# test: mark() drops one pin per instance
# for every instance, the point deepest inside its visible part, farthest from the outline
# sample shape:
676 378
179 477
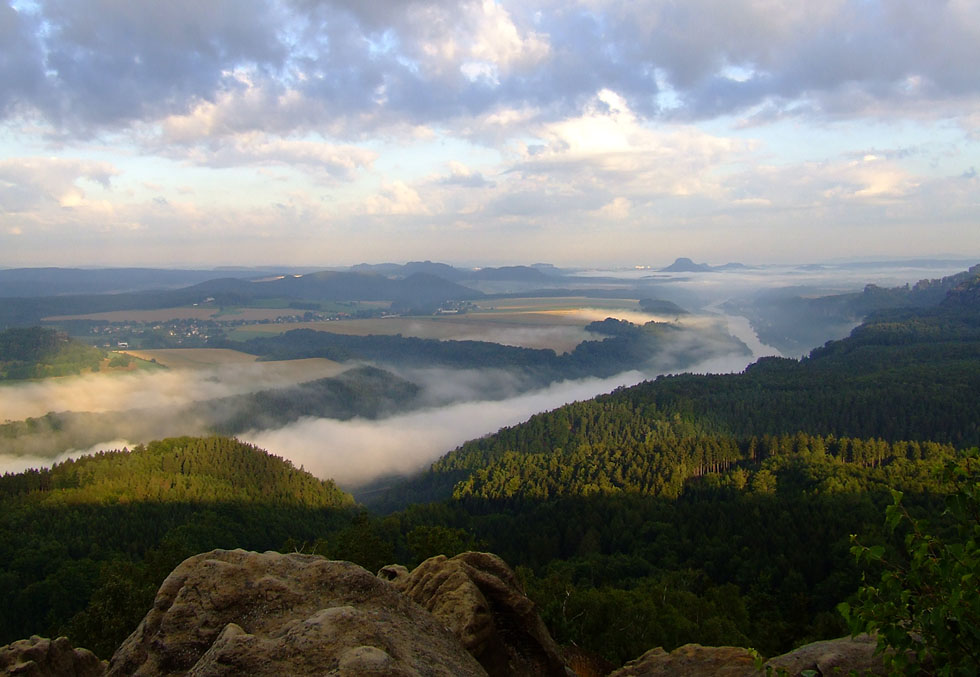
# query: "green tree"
925 606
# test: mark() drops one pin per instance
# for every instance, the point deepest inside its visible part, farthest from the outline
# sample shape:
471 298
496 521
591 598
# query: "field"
209 358
534 322
556 323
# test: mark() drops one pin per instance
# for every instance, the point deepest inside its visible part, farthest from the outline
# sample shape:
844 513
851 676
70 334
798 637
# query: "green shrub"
925 606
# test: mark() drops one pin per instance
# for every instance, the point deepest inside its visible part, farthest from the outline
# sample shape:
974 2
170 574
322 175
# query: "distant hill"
796 323
510 273
419 290
661 307
443 270
685 265
416 289
539 272
34 282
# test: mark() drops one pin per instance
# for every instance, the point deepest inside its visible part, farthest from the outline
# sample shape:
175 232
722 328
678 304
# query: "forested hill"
719 509
794 323
626 347
36 352
85 545
204 470
905 375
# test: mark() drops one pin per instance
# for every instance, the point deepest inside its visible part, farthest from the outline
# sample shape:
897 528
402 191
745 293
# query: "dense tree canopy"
36 352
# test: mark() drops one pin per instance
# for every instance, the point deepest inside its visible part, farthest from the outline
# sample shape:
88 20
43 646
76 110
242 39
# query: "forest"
36 352
623 346
710 509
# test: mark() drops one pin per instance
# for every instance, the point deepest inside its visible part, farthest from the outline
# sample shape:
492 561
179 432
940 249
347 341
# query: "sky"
589 132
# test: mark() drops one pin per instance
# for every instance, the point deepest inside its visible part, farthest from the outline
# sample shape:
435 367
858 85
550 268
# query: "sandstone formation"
833 656
478 597
231 612
692 660
39 657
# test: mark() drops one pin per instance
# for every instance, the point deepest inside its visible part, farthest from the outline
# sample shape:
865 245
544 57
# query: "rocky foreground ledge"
231 612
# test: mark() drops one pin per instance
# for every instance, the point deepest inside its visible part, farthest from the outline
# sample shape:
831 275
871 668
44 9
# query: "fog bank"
158 389
355 452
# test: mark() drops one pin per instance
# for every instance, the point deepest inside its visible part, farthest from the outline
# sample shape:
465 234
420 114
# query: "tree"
925 605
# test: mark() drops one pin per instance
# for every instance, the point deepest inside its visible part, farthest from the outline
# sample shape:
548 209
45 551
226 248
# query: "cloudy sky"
576 132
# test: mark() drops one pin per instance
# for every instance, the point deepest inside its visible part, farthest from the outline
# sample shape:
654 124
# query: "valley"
663 446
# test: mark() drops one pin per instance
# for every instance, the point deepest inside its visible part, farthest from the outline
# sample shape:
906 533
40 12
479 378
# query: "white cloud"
32 183
396 198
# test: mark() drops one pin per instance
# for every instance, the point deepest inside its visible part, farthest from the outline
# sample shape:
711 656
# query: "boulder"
692 660
231 612
40 657
478 597
832 656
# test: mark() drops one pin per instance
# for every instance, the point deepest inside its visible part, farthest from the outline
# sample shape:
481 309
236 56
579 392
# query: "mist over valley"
451 372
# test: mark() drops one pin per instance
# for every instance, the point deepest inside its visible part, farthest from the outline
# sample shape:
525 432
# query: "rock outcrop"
478 597
231 612
692 660
831 657
39 657
237 613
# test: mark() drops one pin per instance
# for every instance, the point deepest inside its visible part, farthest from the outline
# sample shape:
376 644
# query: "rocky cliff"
231 612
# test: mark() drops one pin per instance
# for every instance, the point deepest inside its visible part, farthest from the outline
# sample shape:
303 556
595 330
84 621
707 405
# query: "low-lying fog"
147 390
458 403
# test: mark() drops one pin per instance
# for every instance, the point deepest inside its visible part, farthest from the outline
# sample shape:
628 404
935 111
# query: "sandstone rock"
40 657
833 656
244 613
478 597
693 660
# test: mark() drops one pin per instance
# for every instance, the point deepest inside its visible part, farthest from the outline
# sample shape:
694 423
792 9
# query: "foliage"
85 545
37 352
925 605
631 347
174 470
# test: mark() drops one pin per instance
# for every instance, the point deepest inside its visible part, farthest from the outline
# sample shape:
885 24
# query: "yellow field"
192 358
556 323
204 358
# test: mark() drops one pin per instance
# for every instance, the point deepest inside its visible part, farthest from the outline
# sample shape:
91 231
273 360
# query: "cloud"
31 183
253 148
396 198
461 175
350 67
590 128
355 452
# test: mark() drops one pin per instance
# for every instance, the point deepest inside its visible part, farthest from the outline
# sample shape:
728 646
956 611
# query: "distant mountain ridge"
35 282
539 272
419 290
686 265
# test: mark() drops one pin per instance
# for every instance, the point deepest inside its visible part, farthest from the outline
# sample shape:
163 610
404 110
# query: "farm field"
210 358
555 323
